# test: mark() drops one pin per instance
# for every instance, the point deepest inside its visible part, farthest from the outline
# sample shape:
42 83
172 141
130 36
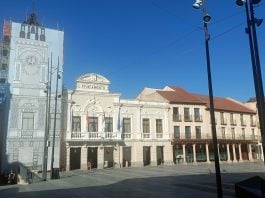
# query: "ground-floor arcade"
191 151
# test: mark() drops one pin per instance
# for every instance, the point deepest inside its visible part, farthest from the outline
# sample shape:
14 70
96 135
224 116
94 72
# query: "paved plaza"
163 182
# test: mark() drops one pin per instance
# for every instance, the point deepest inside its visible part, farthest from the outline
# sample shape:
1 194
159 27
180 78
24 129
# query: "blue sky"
150 43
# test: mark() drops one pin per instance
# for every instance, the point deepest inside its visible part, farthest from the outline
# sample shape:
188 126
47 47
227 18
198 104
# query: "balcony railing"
243 122
223 122
95 136
219 137
126 135
159 135
146 135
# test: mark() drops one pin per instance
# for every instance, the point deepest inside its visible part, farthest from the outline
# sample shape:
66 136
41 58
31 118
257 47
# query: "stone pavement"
163 181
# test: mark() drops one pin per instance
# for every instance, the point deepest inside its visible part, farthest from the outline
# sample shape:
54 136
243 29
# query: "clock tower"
31 48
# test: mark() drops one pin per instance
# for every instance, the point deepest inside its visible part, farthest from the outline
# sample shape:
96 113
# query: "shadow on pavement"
162 187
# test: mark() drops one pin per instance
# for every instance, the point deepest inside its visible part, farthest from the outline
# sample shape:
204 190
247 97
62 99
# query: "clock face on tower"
30 65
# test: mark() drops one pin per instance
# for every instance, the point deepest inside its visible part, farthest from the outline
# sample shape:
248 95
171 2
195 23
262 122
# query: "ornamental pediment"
92 82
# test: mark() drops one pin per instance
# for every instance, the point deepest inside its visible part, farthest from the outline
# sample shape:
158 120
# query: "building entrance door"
127 156
75 158
92 156
160 155
108 157
146 155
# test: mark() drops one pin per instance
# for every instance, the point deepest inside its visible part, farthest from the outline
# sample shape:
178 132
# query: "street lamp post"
54 126
254 52
206 20
47 122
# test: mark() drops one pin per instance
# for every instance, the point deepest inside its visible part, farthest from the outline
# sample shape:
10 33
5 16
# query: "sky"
150 43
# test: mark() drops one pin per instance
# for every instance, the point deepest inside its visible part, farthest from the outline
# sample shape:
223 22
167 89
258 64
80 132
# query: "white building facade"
26 62
168 126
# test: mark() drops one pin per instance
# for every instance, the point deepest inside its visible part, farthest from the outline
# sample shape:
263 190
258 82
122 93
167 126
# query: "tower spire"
32 19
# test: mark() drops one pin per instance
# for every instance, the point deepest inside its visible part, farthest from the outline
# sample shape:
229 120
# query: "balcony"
126 135
94 136
159 135
146 135
208 136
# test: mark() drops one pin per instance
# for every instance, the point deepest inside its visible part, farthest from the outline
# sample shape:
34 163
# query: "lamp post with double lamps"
206 20
252 21
53 176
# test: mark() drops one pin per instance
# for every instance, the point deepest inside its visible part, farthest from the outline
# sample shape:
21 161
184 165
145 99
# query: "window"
32 30
159 127
17 71
223 121
108 124
176 132
146 125
252 122
126 125
2 80
223 132
232 121
253 134
28 121
76 124
176 116
42 36
198 132
187 132
4 66
187 116
243 123
233 133
243 133
93 124
22 31
197 115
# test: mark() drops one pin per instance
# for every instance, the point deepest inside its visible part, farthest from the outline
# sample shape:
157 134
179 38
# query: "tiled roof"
181 96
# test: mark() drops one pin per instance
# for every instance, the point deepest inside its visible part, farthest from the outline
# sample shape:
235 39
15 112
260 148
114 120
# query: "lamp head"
240 2
258 21
197 4
206 18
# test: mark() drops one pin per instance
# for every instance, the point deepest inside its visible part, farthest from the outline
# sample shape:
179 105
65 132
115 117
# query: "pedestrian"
11 177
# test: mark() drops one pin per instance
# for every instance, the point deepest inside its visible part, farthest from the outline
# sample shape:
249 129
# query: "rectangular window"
93 124
233 133
187 132
253 134
176 132
108 124
76 124
232 121
223 132
197 115
176 116
28 121
198 132
222 117
252 121
243 122
126 125
243 133
146 125
187 116
159 126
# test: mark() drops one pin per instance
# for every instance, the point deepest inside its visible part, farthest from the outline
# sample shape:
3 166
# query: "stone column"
83 158
240 153
207 153
250 153
153 156
101 157
234 153
218 152
184 153
116 157
194 153
228 153
67 157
